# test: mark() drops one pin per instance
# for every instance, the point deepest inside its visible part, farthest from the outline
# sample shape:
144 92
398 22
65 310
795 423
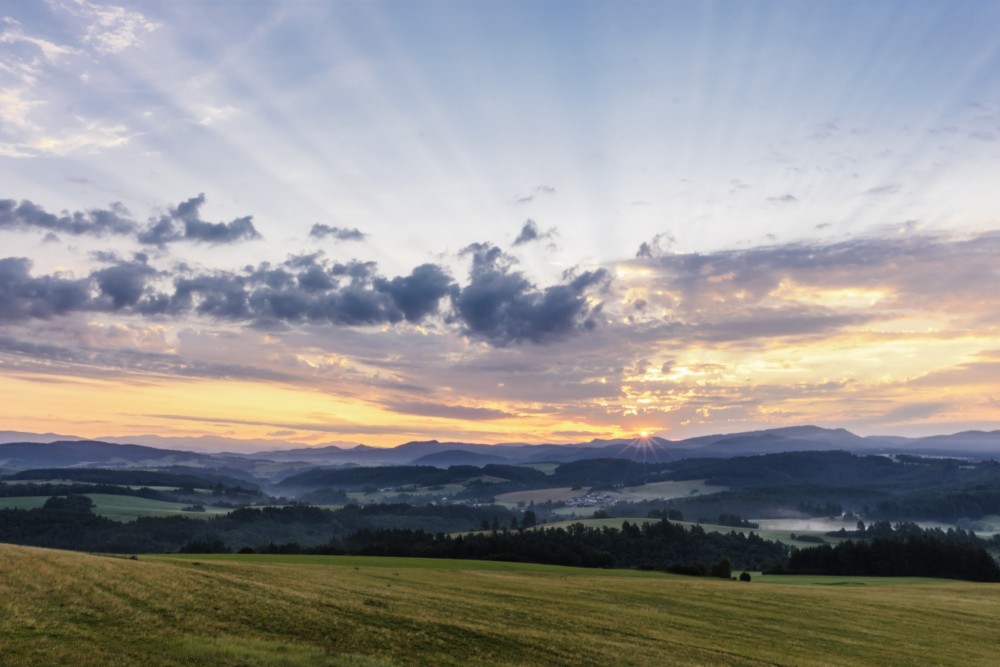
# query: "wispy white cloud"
32 120
107 28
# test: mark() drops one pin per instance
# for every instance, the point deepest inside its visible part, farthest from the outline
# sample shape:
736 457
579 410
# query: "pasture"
70 608
119 508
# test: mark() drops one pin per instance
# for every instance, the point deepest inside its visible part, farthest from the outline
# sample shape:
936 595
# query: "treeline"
396 476
221 495
589 473
835 468
69 523
23 489
945 506
826 483
422 531
659 545
909 556
135 477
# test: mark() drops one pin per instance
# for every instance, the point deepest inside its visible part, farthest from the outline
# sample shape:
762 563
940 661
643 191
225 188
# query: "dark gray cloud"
319 231
530 232
184 223
97 222
500 305
349 293
418 294
23 297
124 283
181 223
221 295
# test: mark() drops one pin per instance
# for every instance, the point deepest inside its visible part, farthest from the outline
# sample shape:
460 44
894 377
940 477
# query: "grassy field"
669 489
119 508
68 608
554 494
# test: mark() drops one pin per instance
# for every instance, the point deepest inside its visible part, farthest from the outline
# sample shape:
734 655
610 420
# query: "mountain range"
26 450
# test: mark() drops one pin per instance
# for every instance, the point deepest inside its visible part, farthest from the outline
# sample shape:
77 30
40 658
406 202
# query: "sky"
498 221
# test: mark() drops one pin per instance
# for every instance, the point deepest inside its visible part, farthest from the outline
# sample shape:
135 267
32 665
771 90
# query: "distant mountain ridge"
32 452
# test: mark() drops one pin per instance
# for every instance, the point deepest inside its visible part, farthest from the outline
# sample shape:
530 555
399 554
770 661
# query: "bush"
722 569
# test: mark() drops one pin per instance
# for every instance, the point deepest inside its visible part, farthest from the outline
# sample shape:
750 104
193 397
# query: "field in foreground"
68 608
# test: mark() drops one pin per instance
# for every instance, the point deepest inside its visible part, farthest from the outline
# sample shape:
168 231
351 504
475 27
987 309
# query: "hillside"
67 608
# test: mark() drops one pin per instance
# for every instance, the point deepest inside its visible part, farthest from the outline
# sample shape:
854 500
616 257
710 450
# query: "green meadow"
119 508
70 608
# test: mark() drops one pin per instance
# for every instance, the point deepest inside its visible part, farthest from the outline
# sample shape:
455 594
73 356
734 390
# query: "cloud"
342 427
34 73
181 223
319 231
539 190
784 199
418 294
818 290
350 294
913 411
655 246
883 190
27 215
500 306
23 297
184 223
101 360
530 232
110 28
124 283
445 411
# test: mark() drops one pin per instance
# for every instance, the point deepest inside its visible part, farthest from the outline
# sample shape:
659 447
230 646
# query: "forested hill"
836 468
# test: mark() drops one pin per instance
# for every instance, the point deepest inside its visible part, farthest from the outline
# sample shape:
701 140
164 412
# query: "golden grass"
62 608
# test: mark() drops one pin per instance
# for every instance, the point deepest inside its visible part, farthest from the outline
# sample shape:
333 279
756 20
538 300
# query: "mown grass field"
62 608
670 489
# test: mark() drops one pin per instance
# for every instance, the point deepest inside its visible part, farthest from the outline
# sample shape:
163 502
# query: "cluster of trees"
403 530
909 556
71 524
479 483
205 479
823 484
395 476
172 487
941 506
658 545
732 520
901 550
